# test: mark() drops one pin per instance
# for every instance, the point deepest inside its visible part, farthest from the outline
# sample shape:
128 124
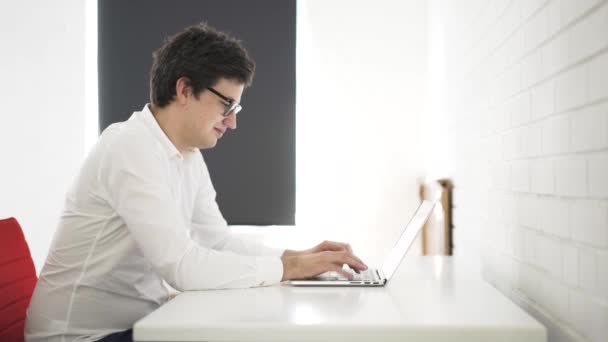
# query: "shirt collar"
148 118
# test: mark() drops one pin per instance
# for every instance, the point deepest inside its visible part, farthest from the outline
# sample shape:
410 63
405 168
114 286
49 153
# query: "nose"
230 121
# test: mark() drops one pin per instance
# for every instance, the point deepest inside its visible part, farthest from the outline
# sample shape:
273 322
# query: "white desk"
428 299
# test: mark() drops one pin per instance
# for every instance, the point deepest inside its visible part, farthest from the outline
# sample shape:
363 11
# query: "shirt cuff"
269 270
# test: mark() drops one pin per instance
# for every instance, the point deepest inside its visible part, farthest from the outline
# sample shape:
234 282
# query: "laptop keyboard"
369 275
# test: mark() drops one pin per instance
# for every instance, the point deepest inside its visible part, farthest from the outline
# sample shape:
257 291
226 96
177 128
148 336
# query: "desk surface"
428 299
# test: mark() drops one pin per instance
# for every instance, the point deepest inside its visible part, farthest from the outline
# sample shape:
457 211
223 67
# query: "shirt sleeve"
209 228
138 189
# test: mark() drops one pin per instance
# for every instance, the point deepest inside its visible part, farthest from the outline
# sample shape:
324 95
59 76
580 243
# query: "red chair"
17 280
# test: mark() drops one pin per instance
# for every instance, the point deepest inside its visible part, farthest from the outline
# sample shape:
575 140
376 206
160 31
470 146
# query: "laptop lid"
407 238
392 261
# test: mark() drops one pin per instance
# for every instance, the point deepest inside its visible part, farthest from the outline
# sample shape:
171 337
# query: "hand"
330 246
309 265
325 246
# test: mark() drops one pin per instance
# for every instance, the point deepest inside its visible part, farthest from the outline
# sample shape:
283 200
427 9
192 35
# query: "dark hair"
202 54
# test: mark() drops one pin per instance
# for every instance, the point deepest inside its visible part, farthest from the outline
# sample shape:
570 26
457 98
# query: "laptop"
372 276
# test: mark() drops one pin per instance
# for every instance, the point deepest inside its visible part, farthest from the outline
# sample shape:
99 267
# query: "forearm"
201 268
219 236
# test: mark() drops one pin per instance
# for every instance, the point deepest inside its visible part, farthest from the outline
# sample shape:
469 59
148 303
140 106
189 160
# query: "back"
93 258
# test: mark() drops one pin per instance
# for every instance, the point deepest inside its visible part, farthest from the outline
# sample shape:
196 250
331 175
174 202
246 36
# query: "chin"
207 144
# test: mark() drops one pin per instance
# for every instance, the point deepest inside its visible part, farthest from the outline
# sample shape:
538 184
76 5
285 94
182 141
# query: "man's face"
204 122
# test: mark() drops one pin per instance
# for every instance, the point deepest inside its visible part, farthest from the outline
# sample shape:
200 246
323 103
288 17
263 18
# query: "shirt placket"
179 192
179 170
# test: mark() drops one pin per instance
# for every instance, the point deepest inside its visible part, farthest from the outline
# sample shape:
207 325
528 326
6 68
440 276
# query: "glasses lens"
232 108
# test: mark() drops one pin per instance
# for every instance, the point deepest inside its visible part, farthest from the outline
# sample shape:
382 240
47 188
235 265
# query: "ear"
183 90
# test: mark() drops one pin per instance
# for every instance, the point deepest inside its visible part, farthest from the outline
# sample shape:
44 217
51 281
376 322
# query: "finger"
350 269
322 247
357 258
342 272
360 265
349 249
341 258
332 246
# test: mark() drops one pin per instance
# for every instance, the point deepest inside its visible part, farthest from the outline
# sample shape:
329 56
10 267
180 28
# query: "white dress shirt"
139 213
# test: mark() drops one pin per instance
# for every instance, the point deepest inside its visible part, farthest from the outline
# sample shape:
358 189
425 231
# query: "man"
142 212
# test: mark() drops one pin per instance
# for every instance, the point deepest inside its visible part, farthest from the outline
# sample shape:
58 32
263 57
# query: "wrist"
292 253
289 265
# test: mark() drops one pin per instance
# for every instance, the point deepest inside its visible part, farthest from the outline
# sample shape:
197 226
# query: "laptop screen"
407 238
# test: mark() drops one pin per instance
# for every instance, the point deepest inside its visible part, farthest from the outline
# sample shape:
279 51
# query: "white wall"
361 119
527 111
42 139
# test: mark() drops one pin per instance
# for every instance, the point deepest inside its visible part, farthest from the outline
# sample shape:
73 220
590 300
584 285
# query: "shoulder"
129 141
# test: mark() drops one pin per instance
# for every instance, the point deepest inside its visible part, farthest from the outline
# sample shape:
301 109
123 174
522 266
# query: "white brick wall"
542 177
527 103
587 270
571 176
570 264
602 266
598 77
556 133
571 88
550 256
588 223
598 181
590 128
543 99
555 215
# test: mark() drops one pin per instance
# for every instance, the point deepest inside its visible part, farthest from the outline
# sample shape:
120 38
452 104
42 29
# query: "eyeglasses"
231 105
